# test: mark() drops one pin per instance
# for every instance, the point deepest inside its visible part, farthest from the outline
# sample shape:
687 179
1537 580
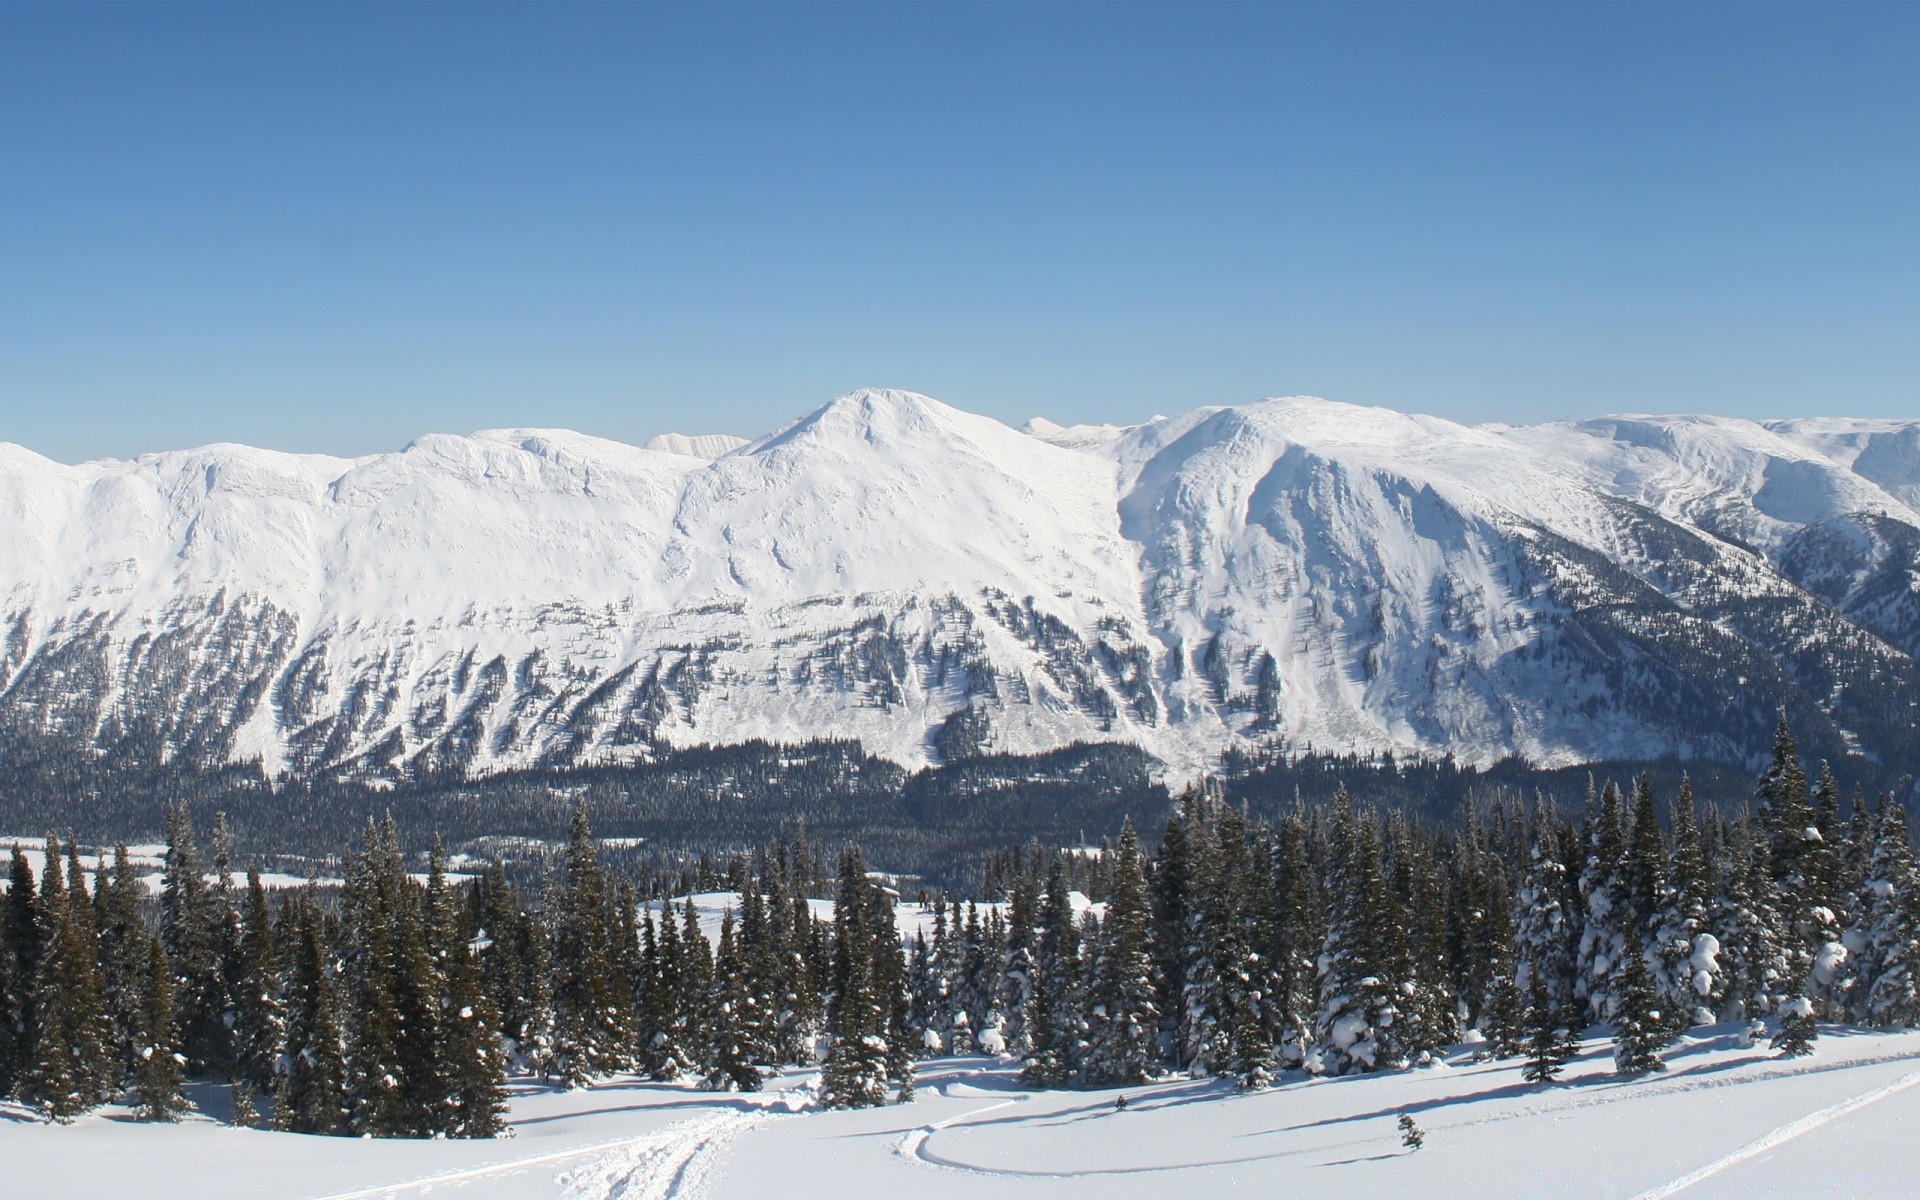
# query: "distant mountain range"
1294 574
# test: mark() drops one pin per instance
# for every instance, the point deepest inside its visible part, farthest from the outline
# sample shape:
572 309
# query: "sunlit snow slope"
936 584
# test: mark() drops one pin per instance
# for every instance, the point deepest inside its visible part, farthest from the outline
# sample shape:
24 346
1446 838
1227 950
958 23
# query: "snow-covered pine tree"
260 1015
1549 1042
1804 871
1200 1041
309 1093
587 1029
668 1004
1797 1031
1054 1019
1014 991
1748 926
187 929
1640 1029
158 1073
375 1076
125 961
855 1073
1365 972
1299 929
1432 1017
1690 980
70 1067
1885 937
470 1058
1236 908
730 1020
1608 919
1124 1047
760 974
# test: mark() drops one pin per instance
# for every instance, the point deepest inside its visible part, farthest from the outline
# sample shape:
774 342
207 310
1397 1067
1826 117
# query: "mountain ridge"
933 583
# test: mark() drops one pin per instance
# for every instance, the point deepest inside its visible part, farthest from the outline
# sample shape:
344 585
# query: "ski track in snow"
674 1163
1776 1137
915 1144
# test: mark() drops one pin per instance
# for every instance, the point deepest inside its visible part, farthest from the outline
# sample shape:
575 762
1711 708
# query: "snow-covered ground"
1726 1120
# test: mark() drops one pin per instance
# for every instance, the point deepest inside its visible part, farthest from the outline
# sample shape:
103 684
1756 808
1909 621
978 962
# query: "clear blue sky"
337 227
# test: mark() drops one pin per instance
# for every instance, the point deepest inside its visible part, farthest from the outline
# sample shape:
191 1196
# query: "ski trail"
913 1143
667 1164
676 1163
1775 1137
479 1172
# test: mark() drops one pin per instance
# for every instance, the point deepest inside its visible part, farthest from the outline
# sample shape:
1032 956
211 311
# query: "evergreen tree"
1690 981
157 1078
1364 967
1608 918
309 1095
1015 989
70 1068
471 1057
1550 1043
1125 1038
260 1017
1054 1019
587 1033
855 1074
1886 932
1640 1028
21 931
187 930
1544 933
1748 927
126 961
731 1020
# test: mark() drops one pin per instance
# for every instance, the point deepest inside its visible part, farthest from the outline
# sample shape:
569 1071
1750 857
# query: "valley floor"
1726 1120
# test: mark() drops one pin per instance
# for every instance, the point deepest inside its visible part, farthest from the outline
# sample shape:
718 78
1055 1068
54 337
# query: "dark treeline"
395 1006
1330 939
1337 940
940 822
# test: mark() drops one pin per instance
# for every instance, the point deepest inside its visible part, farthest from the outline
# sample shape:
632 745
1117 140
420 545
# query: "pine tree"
1608 917
471 1058
1886 931
1748 927
1125 1038
1364 966
1014 995
1797 1031
70 1067
1054 1019
1550 1043
855 1073
187 929
309 1094
260 1017
1544 933
157 1078
125 960
21 931
1691 981
587 1034
731 1022
1640 1028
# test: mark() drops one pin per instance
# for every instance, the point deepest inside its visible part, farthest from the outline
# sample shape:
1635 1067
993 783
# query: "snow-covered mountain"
937 584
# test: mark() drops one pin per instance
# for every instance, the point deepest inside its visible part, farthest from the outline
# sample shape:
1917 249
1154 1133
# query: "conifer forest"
1333 939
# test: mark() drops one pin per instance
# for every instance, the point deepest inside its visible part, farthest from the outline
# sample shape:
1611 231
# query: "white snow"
1727 1119
1371 553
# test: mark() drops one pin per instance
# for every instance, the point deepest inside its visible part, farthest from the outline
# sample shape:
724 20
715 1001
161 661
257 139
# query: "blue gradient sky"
334 228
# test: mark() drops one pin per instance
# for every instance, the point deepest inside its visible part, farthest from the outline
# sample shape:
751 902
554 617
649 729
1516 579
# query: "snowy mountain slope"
936 584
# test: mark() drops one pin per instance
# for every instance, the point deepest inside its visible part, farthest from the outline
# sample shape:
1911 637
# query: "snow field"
1728 1120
